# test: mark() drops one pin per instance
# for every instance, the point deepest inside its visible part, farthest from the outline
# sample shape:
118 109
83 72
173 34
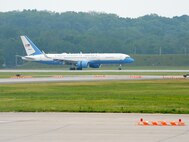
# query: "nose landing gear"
120 67
185 75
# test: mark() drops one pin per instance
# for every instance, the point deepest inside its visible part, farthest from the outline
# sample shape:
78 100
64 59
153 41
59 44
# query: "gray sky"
123 8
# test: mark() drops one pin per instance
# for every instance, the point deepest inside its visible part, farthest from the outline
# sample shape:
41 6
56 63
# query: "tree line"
91 32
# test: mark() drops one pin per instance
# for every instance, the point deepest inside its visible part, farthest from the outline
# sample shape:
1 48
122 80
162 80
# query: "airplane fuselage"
97 58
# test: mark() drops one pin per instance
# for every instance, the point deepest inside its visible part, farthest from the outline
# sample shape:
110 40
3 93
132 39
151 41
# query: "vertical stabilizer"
30 47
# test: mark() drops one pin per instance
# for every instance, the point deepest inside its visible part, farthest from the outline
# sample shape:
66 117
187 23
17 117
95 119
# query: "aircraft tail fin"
30 47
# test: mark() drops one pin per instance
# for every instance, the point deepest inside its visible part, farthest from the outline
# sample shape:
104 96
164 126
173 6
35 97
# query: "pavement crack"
41 133
175 136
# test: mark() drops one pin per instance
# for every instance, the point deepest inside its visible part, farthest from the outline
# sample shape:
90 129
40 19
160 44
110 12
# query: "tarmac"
47 70
79 78
90 127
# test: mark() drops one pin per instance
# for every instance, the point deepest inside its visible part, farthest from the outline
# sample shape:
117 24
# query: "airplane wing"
67 62
56 59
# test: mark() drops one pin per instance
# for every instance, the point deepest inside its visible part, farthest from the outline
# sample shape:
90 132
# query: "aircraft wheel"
79 68
120 67
72 68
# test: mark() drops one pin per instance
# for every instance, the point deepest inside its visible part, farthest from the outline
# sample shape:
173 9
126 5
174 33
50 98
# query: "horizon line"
92 11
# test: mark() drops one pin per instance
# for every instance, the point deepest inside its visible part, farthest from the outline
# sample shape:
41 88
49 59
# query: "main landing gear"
72 68
75 68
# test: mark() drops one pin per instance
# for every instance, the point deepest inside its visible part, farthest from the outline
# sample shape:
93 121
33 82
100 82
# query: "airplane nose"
130 60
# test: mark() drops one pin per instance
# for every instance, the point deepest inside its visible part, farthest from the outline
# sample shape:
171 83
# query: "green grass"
160 96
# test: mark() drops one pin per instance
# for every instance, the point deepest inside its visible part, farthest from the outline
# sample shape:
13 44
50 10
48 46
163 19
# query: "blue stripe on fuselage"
128 60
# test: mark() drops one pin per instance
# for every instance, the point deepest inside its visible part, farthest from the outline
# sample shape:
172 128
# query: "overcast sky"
123 8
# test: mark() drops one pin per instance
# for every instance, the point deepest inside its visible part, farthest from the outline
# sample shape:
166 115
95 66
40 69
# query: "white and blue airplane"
78 61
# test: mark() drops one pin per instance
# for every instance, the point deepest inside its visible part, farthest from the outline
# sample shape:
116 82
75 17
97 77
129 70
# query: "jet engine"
94 65
82 64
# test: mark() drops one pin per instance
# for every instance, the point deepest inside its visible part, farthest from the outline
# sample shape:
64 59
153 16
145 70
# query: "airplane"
77 61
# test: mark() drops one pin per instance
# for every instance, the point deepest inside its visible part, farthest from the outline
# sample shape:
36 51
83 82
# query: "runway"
19 71
77 78
89 127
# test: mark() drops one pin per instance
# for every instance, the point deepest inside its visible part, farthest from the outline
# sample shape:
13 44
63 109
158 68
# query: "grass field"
159 96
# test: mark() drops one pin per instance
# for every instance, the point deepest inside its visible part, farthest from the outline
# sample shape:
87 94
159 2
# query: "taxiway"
89 127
